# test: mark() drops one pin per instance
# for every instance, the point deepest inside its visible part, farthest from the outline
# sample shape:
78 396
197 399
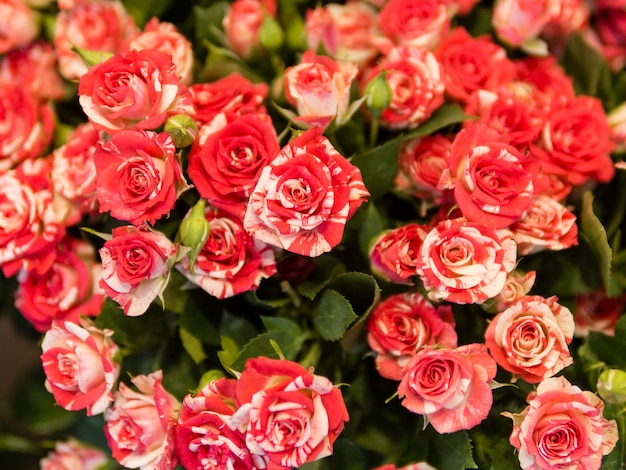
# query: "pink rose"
231 261
416 82
80 364
139 177
530 338
136 265
403 324
518 22
449 386
17 23
66 291
139 427
242 23
293 416
319 88
393 255
492 179
413 466
207 437
305 196
596 311
569 16
138 89
99 25
465 262
72 454
547 225
562 427
226 159
517 285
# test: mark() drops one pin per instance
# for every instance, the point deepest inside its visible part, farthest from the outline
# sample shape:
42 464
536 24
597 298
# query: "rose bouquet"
275 234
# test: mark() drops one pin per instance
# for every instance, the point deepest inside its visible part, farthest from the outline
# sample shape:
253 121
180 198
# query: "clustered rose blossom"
73 454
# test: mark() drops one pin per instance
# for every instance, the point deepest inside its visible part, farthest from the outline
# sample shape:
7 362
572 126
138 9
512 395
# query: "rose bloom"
562 427
138 89
293 416
416 23
226 160
547 225
492 179
319 88
450 387
17 23
470 64
33 67
401 325
346 32
595 311
421 163
393 255
80 364
305 196
136 264
207 437
569 16
610 25
99 25
576 142
30 227
139 177
72 454
232 95
465 262
416 82
242 23
548 80
139 427
26 125
517 285
66 291
518 22
413 466
231 261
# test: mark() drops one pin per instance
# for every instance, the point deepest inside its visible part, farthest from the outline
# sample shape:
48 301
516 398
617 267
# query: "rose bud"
182 129
612 386
378 92
194 231
271 35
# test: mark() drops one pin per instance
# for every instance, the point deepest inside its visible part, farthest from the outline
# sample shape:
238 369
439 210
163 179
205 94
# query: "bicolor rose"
18 25
530 338
450 387
231 261
413 466
595 311
136 265
465 262
319 88
65 291
73 454
305 196
569 16
293 416
138 89
80 363
139 177
611 30
139 427
227 158
401 325
562 427
517 285
242 24
519 22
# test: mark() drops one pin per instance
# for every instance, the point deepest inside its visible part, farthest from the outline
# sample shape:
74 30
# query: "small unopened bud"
194 231
612 386
271 35
378 93
92 57
182 129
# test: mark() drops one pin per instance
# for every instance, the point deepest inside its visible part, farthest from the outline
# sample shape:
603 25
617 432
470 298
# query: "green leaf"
197 324
327 268
333 315
143 10
379 167
453 451
444 116
229 352
610 349
15 443
262 345
372 225
208 21
192 345
615 460
503 457
238 329
92 58
360 289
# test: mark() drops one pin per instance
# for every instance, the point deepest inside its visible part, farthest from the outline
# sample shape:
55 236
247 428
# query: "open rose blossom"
305 196
139 427
518 22
139 177
73 454
319 88
465 262
138 89
401 325
413 466
231 261
530 338
80 363
293 416
17 23
242 24
451 387
136 265
595 311
562 427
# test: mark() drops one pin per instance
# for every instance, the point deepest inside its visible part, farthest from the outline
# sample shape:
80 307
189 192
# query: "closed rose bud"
182 129
271 35
378 92
194 231
612 386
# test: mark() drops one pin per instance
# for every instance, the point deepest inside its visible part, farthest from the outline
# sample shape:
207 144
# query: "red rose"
305 196
138 89
549 82
596 311
139 177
